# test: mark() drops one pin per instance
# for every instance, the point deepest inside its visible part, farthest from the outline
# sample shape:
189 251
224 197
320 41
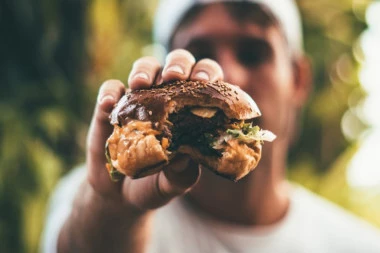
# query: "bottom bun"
134 150
237 160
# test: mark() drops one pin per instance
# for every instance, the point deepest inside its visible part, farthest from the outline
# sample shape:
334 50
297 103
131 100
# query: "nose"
234 72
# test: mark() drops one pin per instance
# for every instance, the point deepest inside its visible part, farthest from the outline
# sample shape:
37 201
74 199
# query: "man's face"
253 57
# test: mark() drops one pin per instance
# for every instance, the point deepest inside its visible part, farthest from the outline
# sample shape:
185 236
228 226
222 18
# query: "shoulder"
332 225
59 207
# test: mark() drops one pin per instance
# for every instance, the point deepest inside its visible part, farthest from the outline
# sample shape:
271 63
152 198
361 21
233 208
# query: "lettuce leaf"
246 134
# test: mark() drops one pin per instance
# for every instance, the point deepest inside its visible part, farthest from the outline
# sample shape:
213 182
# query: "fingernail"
101 100
176 69
202 75
141 75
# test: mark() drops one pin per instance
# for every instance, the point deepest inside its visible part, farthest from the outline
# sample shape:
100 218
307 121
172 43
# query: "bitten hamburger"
211 122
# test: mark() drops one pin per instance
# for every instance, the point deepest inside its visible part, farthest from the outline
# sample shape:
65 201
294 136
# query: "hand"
181 173
114 217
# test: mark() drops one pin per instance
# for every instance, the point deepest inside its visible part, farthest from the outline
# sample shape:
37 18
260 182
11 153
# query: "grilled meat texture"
192 130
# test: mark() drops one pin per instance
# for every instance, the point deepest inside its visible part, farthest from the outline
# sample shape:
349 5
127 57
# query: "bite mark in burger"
210 121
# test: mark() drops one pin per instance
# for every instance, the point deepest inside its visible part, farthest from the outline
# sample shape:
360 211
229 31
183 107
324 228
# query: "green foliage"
331 30
320 158
43 103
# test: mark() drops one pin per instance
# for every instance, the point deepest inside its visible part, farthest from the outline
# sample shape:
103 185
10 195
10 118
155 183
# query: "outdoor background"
55 54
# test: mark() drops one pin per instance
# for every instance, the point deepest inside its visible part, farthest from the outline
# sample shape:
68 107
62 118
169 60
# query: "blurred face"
253 57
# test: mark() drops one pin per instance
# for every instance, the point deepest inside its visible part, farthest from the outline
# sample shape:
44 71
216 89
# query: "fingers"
179 65
154 191
207 70
100 129
143 73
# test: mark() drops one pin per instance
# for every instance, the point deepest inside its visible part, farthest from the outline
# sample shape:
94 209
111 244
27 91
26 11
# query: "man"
256 45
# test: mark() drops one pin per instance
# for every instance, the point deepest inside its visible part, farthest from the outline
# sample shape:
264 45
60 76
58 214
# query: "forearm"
98 225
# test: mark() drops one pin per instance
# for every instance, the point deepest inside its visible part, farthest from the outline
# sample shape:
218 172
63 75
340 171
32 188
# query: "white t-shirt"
312 224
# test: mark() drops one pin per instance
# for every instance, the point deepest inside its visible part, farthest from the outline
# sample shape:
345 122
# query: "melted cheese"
204 112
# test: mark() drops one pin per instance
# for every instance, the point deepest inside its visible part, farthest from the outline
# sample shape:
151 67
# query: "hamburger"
212 122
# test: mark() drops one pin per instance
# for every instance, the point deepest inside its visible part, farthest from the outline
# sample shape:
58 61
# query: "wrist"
100 224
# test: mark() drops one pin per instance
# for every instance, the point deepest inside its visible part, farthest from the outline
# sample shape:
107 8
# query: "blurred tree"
120 30
331 31
319 160
43 106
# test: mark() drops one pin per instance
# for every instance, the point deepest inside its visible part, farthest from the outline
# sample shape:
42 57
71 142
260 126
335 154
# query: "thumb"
100 129
157 190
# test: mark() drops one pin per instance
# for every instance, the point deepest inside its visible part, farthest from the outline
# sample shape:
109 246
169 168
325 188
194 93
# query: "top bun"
155 103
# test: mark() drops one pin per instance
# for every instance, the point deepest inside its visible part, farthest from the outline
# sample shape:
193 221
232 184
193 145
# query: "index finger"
100 129
143 73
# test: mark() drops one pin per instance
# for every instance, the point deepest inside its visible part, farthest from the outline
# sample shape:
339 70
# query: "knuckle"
209 63
110 89
110 84
168 192
162 194
146 61
180 54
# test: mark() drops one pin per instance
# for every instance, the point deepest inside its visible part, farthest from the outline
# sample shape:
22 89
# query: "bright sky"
364 169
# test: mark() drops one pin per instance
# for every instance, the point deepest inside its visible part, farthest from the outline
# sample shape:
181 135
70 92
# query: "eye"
253 53
201 49
202 53
250 56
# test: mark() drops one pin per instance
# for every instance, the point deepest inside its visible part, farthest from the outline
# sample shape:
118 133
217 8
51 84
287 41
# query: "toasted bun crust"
154 104
134 149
